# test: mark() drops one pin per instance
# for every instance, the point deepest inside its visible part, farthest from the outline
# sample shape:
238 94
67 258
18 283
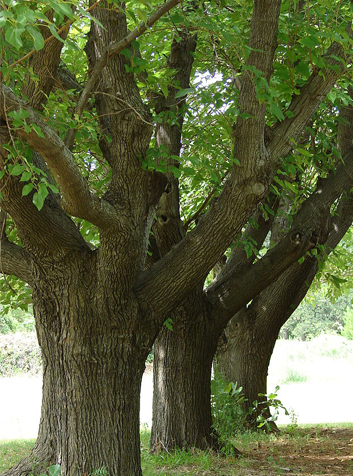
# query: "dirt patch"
326 452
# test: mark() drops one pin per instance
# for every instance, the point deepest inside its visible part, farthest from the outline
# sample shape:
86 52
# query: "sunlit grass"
180 462
262 454
12 451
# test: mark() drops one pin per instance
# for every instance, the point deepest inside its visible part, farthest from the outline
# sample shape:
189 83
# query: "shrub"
348 324
19 353
16 320
230 415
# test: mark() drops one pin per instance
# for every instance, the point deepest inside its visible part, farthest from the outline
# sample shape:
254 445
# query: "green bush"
16 320
19 353
230 416
348 324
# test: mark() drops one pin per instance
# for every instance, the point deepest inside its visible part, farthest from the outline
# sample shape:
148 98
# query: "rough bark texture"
92 371
181 377
243 356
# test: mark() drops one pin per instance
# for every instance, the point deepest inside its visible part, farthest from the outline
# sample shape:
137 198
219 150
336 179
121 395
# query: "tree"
97 308
252 333
82 174
181 409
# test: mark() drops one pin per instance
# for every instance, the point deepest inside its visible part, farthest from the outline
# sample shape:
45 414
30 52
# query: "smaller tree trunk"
252 333
182 385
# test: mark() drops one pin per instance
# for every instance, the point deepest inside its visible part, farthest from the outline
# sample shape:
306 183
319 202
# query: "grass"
305 450
12 451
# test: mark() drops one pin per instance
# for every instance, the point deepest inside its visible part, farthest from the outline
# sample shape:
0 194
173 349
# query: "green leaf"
188 171
310 41
168 324
62 9
175 171
53 188
38 130
13 36
54 470
17 170
55 33
37 38
141 14
276 111
164 89
4 15
183 92
26 176
27 189
40 196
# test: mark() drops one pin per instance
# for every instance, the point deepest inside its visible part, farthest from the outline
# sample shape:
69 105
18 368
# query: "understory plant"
233 415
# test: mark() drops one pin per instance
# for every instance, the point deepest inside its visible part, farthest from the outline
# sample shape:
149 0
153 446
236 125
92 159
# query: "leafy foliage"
316 315
230 416
348 324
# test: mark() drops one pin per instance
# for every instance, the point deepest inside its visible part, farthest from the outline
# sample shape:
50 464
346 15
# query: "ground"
326 452
309 451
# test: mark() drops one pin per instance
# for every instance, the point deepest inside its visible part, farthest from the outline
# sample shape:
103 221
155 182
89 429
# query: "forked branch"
77 199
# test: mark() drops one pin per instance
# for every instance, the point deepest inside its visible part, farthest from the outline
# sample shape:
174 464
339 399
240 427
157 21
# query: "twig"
204 205
113 50
47 40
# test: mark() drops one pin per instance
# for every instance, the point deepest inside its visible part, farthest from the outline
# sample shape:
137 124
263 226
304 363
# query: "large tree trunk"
92 371
182 384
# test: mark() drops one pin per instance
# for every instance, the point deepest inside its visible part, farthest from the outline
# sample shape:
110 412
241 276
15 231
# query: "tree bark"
245 358
182 383
92 373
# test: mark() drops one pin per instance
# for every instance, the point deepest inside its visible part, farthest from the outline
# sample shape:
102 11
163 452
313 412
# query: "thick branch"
304 105
44 63
249 133
257 230
77 198
15 261
310 226
236 292
168 229
187 263
116 48
278 301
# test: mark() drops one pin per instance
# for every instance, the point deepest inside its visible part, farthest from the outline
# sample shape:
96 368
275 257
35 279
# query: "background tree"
252 333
